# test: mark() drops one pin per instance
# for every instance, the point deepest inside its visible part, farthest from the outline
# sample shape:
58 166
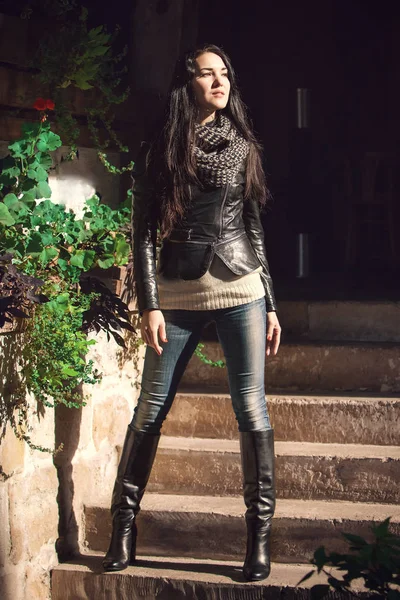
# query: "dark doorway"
337 181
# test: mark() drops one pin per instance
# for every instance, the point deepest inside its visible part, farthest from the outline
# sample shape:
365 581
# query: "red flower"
42 104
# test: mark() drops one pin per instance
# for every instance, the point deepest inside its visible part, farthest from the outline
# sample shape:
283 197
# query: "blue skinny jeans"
242 333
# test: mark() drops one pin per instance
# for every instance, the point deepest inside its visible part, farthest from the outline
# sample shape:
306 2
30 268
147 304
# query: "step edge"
284 448
293 509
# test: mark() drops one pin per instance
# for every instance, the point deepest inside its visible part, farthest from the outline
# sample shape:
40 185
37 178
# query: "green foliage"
207 361
74 55
56 333
43 236
376 563
42 245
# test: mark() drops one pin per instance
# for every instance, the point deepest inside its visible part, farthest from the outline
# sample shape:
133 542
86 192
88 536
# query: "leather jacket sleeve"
144 230
255 233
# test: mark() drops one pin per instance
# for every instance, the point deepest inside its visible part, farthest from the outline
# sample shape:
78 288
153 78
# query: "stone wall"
41 500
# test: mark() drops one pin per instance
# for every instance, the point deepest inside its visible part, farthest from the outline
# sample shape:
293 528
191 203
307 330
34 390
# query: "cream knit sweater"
218 288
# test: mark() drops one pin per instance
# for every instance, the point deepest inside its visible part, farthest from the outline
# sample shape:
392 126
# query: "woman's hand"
152 326
273 333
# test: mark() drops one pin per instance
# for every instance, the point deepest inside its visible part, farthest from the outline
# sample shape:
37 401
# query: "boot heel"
132 558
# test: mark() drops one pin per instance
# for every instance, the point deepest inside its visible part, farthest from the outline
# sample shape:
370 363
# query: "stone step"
214 527
368 321
159 578
351 366
308 471
337 419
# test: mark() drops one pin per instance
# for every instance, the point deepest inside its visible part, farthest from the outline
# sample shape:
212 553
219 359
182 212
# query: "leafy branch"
376 563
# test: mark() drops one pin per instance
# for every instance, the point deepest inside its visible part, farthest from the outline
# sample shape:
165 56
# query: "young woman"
202 185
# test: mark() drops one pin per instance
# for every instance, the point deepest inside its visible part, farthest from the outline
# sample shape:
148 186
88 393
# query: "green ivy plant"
52 250
375 563
72 55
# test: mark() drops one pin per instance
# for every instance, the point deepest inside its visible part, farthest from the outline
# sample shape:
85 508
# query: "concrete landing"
203 526
303 470
155 578
357 419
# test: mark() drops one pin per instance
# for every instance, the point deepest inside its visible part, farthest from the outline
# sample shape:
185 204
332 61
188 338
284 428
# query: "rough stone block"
32 497
154 578
309 366
359 321
37 583
214 527
12 583
5 541
111 416
12 452
368 419
293 317
307 471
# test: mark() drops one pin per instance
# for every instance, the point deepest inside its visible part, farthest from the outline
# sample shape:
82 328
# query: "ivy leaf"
30 130
28 185
18 208
29 198
122 250
17 150
35 244
10 199
53 141
44 160
43 190
81 80
68 372
47 255
106 261
9 168
38 173
5 217
48 238
83 259
63 264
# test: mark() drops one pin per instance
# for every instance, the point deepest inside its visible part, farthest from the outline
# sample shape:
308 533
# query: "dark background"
346 52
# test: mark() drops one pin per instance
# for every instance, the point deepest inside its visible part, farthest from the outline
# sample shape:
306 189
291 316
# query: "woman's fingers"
163 333
151 327
154 340
270 335
273 334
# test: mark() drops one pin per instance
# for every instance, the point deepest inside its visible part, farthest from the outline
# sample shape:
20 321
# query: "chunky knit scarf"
219 152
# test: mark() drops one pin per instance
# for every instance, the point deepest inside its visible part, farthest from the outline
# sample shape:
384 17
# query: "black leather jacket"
217 221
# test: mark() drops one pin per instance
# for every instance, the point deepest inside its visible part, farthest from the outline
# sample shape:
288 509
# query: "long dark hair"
172 159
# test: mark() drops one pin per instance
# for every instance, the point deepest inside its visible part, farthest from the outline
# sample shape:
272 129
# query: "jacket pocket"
238 255
185 260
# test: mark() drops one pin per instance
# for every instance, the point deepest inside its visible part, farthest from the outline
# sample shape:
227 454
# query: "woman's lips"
219 94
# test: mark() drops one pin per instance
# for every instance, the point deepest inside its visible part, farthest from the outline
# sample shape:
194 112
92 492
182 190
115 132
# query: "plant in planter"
54 251
375 563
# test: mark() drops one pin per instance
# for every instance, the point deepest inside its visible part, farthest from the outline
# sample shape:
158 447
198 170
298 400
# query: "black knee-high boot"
133 473
257 453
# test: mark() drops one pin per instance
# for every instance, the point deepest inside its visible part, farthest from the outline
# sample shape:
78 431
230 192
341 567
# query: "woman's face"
210 83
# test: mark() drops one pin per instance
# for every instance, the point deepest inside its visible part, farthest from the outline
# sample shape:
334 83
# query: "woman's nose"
218 81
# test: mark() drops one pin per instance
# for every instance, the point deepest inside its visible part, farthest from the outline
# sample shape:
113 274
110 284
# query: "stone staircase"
333 398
